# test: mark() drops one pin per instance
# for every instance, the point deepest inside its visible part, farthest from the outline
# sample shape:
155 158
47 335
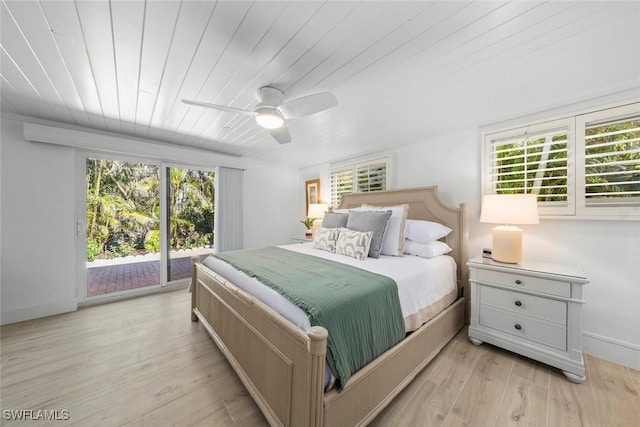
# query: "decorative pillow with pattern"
354 243
325 239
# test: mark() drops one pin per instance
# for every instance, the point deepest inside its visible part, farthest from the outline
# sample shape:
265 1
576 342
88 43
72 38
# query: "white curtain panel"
228 222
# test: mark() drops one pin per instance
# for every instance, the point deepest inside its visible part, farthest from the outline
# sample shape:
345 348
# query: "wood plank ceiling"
403 72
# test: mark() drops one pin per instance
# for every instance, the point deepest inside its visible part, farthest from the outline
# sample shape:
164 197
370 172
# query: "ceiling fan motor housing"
269 96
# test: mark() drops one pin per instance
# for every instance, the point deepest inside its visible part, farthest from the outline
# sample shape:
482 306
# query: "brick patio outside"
133 275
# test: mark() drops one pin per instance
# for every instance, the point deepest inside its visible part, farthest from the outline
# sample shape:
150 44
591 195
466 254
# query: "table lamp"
316 211
508 209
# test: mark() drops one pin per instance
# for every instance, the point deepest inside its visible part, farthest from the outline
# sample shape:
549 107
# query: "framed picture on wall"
312 192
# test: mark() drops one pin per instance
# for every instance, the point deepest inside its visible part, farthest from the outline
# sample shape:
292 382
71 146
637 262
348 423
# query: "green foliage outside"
613 160
152 241
123 210
539 165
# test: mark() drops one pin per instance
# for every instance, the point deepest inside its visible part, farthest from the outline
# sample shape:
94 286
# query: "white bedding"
421 282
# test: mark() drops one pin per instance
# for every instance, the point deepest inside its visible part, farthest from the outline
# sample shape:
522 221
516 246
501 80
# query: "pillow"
341 211
374 221
335 220
394 236
354 243
426 250
424 231
325 239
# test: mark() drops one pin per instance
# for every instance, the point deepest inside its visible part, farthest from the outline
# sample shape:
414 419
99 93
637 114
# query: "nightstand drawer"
544 308
522 282
524 327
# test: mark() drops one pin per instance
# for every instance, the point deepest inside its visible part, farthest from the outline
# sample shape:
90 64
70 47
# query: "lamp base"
507 244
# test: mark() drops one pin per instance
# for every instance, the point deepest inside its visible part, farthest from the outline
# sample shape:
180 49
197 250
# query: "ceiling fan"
272 109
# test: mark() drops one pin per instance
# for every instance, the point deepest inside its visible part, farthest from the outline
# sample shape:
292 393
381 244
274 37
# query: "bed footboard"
281 366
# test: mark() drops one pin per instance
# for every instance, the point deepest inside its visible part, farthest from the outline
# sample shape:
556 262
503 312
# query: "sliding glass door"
141 223
122 226
190 202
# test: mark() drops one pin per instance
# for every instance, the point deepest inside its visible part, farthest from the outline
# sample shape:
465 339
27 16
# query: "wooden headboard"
425 204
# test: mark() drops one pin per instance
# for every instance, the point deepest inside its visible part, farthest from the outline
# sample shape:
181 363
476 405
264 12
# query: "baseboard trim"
15 315
621 352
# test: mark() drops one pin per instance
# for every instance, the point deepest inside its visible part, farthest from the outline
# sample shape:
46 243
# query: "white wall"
38 232
273 205
38 217
608 251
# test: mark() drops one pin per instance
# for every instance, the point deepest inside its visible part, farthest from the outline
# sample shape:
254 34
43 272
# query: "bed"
283 367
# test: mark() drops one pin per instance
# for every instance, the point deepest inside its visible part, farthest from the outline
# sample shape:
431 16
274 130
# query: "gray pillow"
374 221
335 220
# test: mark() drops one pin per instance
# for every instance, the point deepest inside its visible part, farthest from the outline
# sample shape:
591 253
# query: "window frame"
576 123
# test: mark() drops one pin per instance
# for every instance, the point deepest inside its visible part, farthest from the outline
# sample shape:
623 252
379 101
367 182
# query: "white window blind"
612 162
341 182
586 166
371 175
532 160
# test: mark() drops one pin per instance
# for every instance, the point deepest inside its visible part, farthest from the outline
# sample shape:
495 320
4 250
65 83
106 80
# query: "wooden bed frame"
282 367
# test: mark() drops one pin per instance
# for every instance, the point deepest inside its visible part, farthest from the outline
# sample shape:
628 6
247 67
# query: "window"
583 166
371 175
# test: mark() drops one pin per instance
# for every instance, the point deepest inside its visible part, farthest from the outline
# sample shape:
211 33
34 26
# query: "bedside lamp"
316 211
508 209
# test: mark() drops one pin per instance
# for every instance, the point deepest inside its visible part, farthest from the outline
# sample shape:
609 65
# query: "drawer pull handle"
518 303
518 282
517 326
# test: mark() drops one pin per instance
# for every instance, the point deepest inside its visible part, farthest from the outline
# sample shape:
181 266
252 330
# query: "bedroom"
421 97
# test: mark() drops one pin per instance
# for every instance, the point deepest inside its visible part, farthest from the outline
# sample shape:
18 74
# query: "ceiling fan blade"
307 105
281 134
218 107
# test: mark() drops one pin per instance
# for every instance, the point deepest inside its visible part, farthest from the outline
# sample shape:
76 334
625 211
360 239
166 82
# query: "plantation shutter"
341 182
532 161
612 162
371 175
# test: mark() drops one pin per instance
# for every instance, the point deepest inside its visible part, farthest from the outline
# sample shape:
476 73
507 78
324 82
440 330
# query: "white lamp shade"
510 209
317 210
269 118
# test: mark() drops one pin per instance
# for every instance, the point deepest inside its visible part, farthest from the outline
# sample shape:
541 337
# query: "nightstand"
533 309
302 239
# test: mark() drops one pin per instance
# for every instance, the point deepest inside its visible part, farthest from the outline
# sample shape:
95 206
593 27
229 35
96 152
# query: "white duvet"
421 282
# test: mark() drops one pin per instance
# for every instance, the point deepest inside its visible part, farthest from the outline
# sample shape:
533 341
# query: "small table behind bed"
283 367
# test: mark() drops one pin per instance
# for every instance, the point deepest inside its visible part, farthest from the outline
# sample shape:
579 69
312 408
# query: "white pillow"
325 239
424 231
341 210
354 243
426 250
393 240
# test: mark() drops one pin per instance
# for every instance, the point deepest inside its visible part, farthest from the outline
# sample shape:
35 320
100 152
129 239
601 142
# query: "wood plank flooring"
142 362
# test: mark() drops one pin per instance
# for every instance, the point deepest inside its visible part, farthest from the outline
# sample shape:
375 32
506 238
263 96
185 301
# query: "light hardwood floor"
143 362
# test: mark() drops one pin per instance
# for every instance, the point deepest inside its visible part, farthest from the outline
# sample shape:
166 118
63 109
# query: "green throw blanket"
360 310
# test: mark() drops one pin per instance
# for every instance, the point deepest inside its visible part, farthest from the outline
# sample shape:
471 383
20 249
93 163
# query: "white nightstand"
302 239
532 309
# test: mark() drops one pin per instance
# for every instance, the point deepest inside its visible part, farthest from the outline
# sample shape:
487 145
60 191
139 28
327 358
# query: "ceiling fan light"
269 118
